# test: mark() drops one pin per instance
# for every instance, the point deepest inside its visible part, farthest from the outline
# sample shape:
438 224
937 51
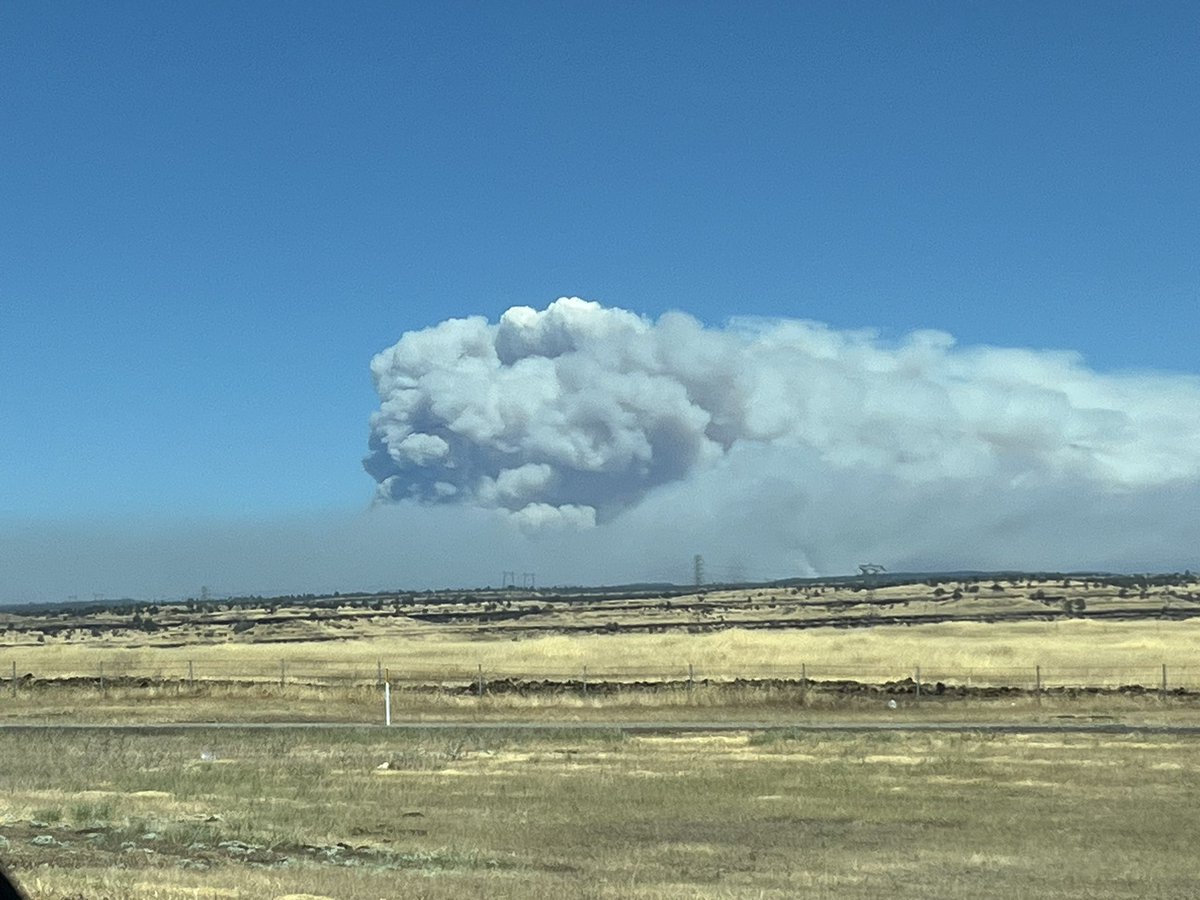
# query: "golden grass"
49 703
1069 651
580 814
315 663
576 815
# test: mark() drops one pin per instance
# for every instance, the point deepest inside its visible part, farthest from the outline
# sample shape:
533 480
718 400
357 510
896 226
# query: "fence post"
481 679
691 677
102 676
380 675
1163 689
585 680
191 676
1037 685
14 678
282 671
387 698
803 682
918 682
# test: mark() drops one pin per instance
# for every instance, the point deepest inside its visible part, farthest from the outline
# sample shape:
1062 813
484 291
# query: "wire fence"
482 678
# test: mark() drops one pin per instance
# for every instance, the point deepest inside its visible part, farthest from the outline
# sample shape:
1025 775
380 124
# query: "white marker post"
387 698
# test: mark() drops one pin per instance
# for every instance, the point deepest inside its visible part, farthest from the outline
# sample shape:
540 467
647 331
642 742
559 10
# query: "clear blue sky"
213 214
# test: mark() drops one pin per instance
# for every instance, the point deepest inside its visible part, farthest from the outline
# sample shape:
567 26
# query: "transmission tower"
528 579
698 569
507 579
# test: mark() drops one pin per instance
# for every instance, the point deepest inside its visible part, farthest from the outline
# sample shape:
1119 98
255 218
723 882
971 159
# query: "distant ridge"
631 589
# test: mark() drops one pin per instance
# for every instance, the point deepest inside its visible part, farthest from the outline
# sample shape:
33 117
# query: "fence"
479 678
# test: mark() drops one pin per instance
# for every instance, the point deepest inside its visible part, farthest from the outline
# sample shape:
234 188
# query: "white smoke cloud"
572 415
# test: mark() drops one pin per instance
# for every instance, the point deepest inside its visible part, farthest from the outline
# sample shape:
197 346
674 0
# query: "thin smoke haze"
576 415
596 446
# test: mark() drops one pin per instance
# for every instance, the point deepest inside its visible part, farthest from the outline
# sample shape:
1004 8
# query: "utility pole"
698 569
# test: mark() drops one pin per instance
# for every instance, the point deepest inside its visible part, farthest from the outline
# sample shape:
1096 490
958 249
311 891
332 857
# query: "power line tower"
528 579
868 572
508 579
698 569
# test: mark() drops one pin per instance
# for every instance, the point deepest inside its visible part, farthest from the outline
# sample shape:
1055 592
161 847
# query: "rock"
45 840
237 847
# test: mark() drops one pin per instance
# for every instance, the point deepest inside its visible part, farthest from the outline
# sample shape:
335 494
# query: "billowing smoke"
572 415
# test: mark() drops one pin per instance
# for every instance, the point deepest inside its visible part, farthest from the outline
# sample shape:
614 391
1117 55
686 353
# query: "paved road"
663 728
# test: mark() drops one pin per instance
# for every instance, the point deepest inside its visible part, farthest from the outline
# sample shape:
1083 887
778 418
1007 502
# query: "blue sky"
213 215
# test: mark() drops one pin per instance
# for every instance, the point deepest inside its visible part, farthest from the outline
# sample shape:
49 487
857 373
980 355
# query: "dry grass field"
959 648
366 814
711 704
1078 631
370 813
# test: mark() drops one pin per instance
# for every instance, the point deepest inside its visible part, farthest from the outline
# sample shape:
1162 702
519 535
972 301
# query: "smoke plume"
572 415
